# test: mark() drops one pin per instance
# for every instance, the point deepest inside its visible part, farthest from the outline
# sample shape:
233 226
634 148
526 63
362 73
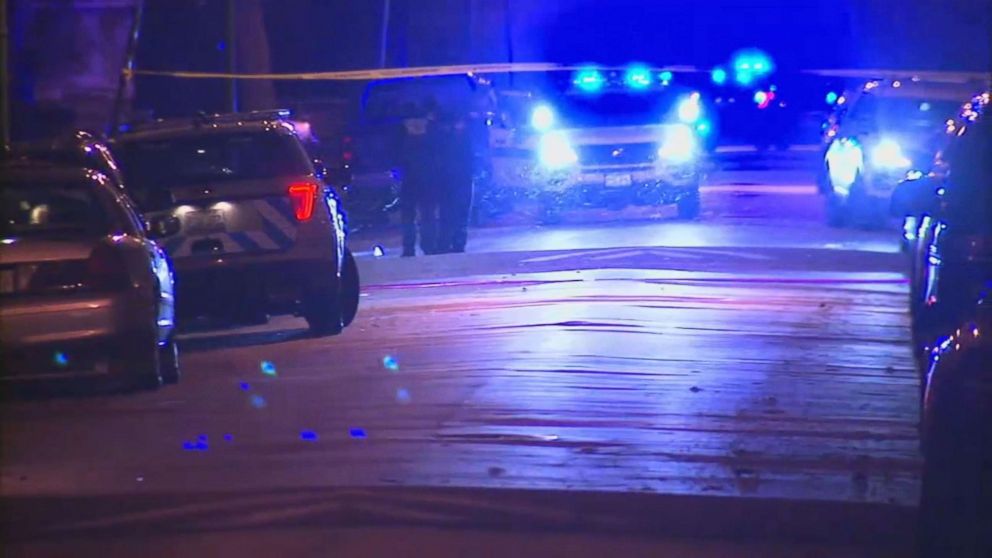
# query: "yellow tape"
525 67
392 73
925 75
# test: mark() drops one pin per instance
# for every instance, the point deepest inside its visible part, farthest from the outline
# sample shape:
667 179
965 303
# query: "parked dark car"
952 330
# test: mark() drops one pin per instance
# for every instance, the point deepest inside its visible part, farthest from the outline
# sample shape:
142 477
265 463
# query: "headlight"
555 151
679 145
888 155
689 109
542 118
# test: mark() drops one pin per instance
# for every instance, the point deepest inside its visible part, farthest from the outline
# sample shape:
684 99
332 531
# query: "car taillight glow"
303 196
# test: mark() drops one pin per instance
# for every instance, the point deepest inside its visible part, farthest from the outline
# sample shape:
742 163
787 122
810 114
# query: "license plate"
205 222
618 180
6 281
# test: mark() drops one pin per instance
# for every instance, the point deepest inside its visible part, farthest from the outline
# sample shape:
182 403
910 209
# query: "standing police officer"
419 193
456 168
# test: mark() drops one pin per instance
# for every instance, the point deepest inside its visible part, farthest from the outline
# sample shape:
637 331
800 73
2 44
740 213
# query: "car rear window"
149 164
40 208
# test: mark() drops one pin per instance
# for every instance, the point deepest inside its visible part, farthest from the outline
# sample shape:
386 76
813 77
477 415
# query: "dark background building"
66 53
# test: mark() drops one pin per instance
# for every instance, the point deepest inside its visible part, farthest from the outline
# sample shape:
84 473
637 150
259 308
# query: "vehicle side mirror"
319 170
915 197
162 227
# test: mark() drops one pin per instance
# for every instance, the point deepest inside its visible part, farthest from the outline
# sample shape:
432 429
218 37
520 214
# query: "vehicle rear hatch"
232 192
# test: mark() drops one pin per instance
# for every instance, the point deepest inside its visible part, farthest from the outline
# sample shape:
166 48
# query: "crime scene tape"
394 73
914 75
534 67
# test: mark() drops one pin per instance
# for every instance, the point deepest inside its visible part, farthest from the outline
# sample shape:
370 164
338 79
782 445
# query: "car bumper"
73 336
276 284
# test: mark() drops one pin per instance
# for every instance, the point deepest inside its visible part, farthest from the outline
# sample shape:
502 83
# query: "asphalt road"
743 376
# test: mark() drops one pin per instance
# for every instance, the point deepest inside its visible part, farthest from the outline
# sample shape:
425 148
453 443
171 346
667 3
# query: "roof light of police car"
638 77
689 109
888 154
555 151
679 145
719 76
542 118
589 80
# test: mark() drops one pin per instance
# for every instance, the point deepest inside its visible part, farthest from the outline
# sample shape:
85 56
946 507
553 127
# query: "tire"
953 515
350 289
138 368
329 310
689 205
168 362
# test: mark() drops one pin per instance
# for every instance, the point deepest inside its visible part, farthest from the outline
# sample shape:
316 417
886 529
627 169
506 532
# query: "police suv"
602 137
245 216
879 135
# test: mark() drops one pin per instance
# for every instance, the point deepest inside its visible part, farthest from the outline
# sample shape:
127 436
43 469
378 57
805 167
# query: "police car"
878 135
245 216
602 137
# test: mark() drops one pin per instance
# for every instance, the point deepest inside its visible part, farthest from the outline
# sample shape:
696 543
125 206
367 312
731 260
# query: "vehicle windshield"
617 108
969 193
41 208
209 157
903 113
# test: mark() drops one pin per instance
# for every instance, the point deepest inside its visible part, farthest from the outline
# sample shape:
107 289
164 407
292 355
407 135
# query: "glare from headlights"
679 145
555 152
689 109
888 154
542 118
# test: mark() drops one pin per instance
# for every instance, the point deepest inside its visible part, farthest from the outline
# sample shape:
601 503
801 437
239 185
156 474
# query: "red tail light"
347 151
106 270
303 196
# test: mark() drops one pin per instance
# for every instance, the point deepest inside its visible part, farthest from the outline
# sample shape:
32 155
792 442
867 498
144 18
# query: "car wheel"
323 314
954 512
689 205
350 289
168 362
138 367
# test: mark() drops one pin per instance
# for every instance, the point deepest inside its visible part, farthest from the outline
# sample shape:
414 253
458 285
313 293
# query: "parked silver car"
83 290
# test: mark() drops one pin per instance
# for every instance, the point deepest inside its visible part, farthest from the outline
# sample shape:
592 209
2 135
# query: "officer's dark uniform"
419 193
456 169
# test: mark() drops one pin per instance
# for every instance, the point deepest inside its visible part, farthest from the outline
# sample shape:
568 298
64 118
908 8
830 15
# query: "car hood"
618 135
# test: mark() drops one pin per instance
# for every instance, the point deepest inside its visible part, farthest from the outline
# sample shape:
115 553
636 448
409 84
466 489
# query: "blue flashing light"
760 97
754 62
744 78
542 118
590 80
719 76
704 128
831 97
638 77
309 436
666 77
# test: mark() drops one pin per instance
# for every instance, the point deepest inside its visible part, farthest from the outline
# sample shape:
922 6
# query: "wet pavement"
753 355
